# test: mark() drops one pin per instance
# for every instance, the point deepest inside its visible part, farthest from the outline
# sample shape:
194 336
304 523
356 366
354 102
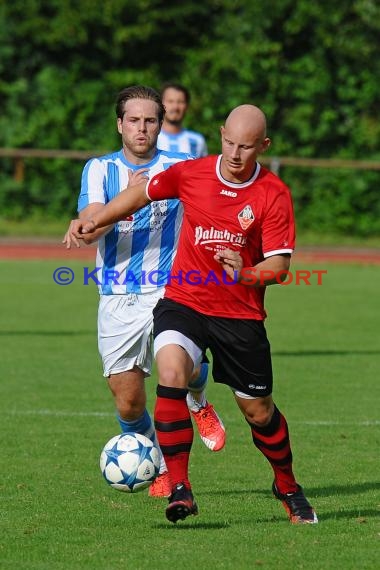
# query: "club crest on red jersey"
246 217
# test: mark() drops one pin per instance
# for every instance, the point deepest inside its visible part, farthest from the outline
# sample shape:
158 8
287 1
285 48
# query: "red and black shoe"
297 506
181 503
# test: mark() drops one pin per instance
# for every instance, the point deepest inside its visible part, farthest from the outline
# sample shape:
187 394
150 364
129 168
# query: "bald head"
247 120
243 139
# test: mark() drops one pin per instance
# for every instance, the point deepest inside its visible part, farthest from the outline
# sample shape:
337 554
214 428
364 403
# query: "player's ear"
265 144
222 131
118 124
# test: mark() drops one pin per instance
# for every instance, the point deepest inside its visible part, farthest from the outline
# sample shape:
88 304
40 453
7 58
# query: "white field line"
335 423
59 413
62 413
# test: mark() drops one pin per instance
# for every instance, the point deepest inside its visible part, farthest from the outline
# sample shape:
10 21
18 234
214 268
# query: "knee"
260 414
172 377
261 419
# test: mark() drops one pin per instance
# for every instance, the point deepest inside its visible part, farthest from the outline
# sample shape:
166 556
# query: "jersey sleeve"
278 228
92 185
165 184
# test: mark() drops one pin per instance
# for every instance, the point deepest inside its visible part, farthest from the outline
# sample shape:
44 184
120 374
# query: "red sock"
174 431
273 442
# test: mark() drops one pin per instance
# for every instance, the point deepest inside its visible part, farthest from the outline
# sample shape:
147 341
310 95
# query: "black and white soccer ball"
130 462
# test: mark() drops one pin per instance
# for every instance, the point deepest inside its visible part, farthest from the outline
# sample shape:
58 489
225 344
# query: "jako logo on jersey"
212 235
246 217
228 193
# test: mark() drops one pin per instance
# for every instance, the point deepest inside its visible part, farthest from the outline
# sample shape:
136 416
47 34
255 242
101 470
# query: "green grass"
37 227
329 239
56 413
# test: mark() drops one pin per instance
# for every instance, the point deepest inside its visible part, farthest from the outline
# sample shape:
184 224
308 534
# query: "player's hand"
137 176
88 227
75 232
231 261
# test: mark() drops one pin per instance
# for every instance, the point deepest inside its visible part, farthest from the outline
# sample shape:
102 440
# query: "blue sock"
142 425
199 384
196 397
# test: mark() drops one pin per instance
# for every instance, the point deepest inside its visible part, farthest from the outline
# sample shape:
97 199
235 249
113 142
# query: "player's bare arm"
125 204
270 271
87 214
71 239
74 235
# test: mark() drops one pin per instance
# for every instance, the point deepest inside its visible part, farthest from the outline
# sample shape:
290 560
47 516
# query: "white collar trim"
236 184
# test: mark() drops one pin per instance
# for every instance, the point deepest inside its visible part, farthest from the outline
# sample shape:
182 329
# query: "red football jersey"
254 218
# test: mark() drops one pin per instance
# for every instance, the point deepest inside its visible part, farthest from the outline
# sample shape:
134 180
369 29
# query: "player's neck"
172 128
237 176
135 159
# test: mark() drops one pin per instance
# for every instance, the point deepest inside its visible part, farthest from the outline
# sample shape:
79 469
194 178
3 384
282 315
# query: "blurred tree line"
313 67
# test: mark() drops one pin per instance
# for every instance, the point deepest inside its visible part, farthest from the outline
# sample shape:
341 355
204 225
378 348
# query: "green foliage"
338 200
312 67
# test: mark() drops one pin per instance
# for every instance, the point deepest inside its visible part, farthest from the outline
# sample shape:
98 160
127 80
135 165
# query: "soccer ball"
130 462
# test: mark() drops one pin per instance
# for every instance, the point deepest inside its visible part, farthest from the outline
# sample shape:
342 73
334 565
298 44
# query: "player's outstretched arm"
86 214
73 234
74 237
124 204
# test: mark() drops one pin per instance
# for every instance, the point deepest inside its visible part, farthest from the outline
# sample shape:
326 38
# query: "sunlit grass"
56 414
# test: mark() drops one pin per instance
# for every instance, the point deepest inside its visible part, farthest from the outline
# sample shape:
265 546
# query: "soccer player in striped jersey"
174 136
133 260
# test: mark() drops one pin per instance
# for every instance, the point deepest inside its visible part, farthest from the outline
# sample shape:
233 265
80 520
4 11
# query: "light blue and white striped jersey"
138 252
187 141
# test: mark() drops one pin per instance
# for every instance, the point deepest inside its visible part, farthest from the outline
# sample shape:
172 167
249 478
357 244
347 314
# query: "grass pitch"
58 513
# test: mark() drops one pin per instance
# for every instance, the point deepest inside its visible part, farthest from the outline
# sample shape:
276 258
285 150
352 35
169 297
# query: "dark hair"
177 87
138 92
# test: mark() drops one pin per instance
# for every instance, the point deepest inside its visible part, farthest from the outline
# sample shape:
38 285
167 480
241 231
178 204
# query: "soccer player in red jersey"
236 239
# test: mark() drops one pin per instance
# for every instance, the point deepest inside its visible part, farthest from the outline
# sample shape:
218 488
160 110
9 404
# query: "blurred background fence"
274 163
330 195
